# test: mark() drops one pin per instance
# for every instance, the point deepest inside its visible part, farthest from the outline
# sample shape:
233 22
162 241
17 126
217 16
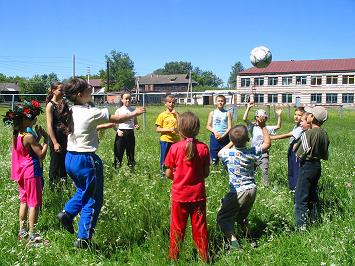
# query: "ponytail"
190 149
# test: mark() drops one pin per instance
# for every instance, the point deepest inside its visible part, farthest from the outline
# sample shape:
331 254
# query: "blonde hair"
189 126
169 97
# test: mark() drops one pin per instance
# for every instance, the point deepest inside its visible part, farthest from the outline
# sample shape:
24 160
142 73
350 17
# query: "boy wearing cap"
310 148
257 138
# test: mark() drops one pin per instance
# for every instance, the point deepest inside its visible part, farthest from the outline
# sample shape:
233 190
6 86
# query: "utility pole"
108 76
74 66
88 73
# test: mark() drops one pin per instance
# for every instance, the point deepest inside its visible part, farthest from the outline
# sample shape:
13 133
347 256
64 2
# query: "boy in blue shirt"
240 162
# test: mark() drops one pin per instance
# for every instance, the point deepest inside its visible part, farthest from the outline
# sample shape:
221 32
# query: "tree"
174 67
121 71
206 78
236 68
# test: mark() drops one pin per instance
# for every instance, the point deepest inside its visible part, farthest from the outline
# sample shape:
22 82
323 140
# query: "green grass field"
133 227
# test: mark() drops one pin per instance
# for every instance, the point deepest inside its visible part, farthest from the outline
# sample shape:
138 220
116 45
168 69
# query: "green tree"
174 67
121 71
206 78
236 68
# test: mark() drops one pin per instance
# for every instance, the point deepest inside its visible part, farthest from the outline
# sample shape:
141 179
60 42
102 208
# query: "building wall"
297 90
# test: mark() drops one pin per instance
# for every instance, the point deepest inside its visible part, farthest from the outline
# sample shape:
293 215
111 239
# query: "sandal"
36 239
22 234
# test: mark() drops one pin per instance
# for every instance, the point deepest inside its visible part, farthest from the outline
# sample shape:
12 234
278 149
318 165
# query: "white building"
321 82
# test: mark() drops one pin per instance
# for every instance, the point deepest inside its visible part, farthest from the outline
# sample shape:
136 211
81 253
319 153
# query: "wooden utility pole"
74 66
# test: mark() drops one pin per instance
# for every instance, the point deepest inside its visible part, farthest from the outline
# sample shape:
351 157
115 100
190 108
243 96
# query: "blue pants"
293 168
306 198
216 146
85 169
164 148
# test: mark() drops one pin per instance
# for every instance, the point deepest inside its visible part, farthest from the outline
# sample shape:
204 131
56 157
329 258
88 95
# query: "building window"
348 79
286 98
245 82
316 80
273 81
244 98
301 80
332 79
331 98
258 81
316 98
272 98
347 98
287 80
259 98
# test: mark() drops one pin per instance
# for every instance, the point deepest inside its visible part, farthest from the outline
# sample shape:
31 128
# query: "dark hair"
189 126
54 86
300 109
239 135
73 87
121 96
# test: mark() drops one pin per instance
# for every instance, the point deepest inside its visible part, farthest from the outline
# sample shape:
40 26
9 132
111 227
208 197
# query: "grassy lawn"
133 227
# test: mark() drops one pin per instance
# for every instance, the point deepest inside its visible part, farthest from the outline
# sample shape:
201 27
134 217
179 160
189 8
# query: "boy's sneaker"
235 245
37 240
22 234
66 221
82 243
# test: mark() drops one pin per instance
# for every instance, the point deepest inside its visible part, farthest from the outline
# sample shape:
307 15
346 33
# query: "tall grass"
133 227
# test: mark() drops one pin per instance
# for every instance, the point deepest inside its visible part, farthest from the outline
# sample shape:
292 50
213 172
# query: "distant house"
9 89
156 83
304 82
98 91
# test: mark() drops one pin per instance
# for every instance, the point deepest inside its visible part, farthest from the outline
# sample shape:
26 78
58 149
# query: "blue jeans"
85 169
216 146
164 148
306 198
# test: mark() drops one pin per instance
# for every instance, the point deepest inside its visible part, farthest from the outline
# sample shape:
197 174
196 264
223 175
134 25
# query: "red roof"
304 66
95 82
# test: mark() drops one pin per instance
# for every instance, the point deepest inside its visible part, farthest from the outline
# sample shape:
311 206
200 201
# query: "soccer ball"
260 57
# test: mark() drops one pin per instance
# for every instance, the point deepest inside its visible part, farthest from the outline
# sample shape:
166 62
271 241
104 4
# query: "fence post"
12 101
144 114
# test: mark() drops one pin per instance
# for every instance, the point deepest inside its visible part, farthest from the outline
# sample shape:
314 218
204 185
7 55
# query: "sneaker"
37 240
82 243
22 234
235 245
66 221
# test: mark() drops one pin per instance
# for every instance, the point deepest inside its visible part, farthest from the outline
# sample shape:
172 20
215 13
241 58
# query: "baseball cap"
319 112
260 112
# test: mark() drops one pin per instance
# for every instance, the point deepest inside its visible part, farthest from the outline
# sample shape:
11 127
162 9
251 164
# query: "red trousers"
180 212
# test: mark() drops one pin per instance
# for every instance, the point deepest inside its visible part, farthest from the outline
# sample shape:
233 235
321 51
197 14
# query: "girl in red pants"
187 165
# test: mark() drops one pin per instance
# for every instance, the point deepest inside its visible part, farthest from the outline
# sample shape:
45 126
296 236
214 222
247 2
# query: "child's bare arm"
228 146
281 136
266 137
169 173
164 130
40 150
245 116
105 126
121 118
279 118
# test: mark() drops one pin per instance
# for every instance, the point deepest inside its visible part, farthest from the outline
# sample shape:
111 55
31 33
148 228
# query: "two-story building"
320 82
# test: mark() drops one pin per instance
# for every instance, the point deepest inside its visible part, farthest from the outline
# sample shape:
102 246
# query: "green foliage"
121 73
38 84
133 227
174 67
236 68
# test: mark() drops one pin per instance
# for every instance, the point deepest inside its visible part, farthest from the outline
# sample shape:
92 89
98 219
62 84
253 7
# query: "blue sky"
41 36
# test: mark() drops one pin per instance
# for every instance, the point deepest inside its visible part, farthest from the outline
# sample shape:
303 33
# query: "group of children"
183 159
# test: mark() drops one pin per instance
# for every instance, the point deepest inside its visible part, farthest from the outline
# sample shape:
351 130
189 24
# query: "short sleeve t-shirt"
167 120
84 137
296 133
240 163
123 110
189 181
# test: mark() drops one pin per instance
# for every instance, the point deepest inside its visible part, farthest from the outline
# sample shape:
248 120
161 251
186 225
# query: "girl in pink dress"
26 164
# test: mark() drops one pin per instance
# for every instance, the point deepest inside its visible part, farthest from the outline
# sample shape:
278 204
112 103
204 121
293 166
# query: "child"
293 162
82 164
257 139
166 125
57 112
125 133
240 161
310 148
187 165
219 123
26 165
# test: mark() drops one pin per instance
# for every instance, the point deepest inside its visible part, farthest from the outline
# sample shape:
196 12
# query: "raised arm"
279 113
245 116
266 137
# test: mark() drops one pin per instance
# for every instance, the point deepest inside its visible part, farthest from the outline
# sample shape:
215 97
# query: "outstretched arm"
121 118
281 136
245 116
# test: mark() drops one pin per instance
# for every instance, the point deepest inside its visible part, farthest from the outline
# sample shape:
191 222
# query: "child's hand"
217 135
140 110
119 133
57 147
279 111
261 121
250 105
